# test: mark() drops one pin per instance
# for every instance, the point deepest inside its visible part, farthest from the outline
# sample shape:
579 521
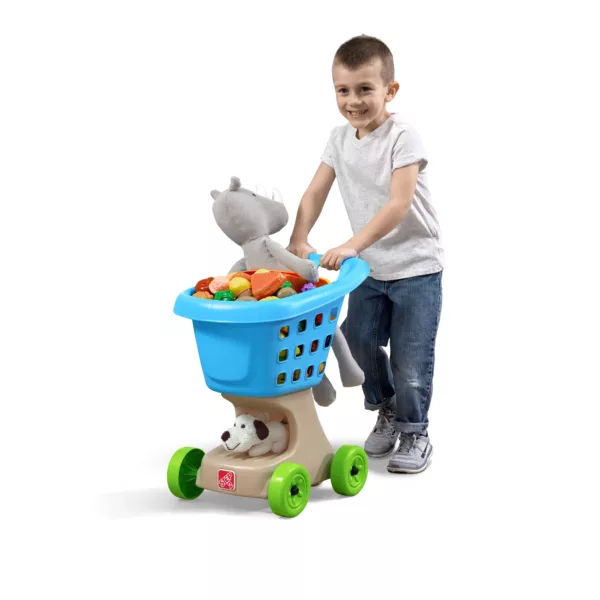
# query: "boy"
380 166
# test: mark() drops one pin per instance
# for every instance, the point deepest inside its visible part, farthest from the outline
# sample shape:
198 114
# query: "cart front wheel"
182 472
289 490
349 470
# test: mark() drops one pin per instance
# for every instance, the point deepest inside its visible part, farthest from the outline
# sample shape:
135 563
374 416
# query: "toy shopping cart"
266 357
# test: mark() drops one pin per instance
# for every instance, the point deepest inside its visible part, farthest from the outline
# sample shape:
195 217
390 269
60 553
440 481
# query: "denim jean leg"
367 329
417 303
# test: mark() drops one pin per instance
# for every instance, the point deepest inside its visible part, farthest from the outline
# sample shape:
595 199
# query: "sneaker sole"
382 454
410 471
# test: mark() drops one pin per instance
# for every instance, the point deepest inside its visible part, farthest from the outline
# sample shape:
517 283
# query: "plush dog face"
246 432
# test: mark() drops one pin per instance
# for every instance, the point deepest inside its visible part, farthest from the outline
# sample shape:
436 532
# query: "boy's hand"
301 249
333 259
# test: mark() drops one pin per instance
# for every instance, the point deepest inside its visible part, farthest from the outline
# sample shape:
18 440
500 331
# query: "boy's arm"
310 208
402 191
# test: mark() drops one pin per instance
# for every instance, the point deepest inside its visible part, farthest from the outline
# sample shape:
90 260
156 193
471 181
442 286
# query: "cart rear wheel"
349 470
289 490
182 472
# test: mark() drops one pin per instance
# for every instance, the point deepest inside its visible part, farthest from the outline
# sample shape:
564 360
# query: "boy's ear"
215 194
392 90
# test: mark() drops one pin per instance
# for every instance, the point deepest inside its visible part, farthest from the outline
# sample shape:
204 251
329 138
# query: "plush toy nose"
225 436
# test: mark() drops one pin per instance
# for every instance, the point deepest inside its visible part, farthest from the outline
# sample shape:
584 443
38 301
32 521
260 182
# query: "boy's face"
362 95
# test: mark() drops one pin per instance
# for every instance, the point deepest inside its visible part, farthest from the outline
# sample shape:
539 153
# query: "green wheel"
349 470
289 490
182 471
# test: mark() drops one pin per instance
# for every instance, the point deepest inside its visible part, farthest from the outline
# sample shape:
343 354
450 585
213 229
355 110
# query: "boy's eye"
344 91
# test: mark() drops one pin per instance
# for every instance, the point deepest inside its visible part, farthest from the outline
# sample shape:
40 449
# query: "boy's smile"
362 95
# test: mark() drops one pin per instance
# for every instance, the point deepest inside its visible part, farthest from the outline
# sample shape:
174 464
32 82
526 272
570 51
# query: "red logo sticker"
226 480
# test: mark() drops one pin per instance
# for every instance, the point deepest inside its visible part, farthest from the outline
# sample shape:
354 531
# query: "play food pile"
253 286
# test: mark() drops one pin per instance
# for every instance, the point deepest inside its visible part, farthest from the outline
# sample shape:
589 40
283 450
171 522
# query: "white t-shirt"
363 170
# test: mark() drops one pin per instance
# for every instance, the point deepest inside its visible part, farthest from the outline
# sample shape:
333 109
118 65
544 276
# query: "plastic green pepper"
226 295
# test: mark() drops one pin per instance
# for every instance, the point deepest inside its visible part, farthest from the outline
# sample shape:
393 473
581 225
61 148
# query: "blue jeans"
406 313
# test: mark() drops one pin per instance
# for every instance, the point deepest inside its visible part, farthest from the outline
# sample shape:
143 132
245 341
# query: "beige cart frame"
308 446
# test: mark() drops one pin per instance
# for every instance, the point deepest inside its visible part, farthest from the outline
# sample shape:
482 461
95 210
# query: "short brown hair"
363 49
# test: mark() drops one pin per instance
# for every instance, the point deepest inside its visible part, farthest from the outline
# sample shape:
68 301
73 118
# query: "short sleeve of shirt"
328 155
408 150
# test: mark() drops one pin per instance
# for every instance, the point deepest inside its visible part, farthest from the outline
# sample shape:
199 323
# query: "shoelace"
407 441
385 424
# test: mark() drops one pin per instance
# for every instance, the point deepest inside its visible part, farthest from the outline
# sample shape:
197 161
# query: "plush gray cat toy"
248 219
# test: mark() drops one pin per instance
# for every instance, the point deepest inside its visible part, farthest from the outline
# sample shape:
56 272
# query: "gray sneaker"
382 440
412 455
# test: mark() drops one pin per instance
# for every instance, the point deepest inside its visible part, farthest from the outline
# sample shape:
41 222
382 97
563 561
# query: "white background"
116 121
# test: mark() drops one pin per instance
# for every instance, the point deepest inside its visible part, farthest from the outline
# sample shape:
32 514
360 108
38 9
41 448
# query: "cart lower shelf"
284 479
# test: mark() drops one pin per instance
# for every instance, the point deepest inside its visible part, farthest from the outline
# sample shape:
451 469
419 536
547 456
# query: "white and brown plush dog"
252 434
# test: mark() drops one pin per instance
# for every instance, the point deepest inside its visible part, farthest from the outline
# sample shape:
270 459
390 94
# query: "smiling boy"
380 166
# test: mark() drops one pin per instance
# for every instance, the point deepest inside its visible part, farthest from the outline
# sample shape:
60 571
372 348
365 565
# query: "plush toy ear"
262 431
215 194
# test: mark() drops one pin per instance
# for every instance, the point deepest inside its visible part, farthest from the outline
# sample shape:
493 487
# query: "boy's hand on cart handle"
333 259
301 249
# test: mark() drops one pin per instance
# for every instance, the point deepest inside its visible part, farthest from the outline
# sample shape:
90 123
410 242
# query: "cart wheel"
289 489
349 470
182 471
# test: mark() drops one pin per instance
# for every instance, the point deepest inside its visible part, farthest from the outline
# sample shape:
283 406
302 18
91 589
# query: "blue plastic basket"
269 348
